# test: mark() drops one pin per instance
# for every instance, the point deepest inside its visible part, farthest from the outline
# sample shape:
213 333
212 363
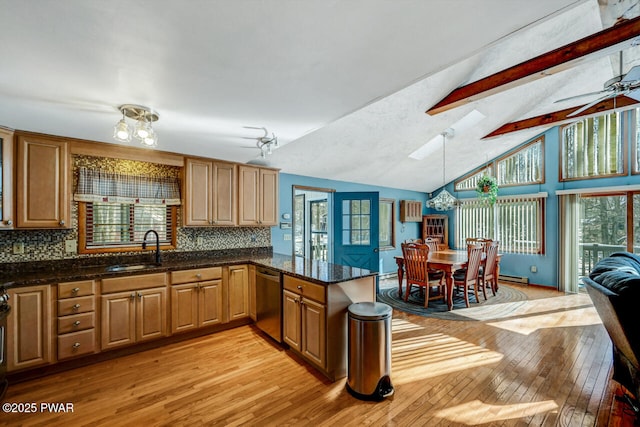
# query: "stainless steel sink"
134 267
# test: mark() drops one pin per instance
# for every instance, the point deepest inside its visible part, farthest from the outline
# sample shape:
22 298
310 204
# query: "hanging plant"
487 189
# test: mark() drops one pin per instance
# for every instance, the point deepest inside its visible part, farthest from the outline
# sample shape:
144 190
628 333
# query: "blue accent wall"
409 230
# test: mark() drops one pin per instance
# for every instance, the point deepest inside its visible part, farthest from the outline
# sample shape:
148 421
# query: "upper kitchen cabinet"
6 182
257 196
42 195
210 196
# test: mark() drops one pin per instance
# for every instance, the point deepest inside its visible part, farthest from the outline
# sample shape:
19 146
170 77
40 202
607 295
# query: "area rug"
504 304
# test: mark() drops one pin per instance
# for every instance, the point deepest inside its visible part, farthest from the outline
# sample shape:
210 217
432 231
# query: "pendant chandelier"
443 201
142 131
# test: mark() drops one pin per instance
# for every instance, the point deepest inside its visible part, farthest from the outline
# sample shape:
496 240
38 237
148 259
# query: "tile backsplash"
41 245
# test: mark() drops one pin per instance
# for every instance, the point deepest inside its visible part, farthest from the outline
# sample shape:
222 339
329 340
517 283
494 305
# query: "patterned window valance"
101 186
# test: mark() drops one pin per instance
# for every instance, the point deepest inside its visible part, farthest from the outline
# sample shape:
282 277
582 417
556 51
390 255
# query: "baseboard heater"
513 279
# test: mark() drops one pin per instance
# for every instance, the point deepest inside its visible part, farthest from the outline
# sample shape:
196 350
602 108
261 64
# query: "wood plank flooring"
548 363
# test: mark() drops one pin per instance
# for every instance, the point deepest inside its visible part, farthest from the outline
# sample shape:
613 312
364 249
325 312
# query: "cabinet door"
6 179
252 292
29 327
268 197
313 332
184 307
210 303
224 196
198 202
151 313
291 319
248 196
42 180
238 292
118 325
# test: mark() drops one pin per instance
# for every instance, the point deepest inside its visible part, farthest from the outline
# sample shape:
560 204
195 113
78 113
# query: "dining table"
448 260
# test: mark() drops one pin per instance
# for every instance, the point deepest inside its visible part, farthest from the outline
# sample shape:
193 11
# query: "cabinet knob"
299 287
76 307
76 345
9 222
132 296
76 323
139 295
214 222
296 300
75 290
199 276
62 222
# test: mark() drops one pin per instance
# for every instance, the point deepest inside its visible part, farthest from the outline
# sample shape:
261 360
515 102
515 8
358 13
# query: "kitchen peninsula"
82 309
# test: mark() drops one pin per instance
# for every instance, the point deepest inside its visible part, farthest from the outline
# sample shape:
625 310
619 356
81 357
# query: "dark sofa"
614 288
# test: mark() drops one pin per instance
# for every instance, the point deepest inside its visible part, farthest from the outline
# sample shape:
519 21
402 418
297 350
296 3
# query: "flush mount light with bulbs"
142 131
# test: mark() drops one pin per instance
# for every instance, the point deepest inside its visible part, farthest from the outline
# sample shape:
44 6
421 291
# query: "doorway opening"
312 223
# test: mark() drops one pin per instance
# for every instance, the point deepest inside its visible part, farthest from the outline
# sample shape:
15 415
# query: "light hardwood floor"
548 363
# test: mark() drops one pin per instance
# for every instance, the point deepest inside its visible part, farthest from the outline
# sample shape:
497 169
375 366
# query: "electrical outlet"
287 236
199 240
253 238
71 246
534 269
18 248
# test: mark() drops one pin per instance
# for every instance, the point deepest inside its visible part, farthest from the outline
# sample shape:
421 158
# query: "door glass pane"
298 215
365 207
602 229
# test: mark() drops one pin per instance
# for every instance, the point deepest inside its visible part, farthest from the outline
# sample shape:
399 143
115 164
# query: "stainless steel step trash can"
369 350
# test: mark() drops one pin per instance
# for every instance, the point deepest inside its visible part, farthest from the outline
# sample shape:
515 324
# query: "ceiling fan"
624 84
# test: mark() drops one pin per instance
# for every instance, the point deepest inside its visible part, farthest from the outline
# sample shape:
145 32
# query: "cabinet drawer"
133 283
76 305
76 322
76 343
76 289
196 275
304 288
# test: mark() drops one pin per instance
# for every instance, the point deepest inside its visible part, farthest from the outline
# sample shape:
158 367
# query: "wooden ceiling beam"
560 117
589 48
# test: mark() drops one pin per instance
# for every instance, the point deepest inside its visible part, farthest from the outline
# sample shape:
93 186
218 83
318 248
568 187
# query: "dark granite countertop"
48 272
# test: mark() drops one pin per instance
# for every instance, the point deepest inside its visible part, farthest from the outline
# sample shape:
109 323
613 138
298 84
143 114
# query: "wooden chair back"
416 257
473 264
477 241
490 261
417 241
432 243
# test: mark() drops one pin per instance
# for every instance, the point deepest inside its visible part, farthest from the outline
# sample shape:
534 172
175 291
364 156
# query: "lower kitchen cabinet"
137 313
76 322
238 289
29 326
314 320
198 302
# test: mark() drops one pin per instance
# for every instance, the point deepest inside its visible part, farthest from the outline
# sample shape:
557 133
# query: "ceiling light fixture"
264 143
143 131
443 201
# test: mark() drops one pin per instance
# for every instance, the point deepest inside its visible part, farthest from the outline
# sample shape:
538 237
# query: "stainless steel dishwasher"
269 302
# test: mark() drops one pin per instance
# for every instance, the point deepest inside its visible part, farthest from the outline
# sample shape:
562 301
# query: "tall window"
592 147
517 222
469 181
387 224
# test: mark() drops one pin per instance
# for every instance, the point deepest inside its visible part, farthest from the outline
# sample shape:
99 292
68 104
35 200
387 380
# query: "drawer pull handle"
199 276
76 307
299 287
76 323
75 290
76 345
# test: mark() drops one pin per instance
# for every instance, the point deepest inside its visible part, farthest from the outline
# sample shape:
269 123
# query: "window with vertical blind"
592 148
525 166
517 222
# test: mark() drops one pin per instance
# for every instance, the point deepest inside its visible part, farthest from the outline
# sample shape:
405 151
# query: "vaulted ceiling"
345 85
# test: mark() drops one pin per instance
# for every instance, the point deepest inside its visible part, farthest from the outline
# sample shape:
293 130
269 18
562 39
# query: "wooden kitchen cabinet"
6 178
42 186
29 328
252 293
314 320
196 298
257 196
76 322
238 292
304 319
210 197
134 309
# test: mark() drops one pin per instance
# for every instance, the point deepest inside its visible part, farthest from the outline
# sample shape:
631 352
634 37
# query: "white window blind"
517 222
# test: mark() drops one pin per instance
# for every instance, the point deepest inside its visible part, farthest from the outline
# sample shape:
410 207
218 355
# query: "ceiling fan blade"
580 96
591 104
632 76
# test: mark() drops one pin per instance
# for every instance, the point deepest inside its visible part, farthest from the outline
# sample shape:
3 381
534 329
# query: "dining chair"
487 272
477 241
417 241
432 243
469 277
416 259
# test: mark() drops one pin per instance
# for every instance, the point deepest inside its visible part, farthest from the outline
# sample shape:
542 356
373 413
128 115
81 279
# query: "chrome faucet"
144 244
